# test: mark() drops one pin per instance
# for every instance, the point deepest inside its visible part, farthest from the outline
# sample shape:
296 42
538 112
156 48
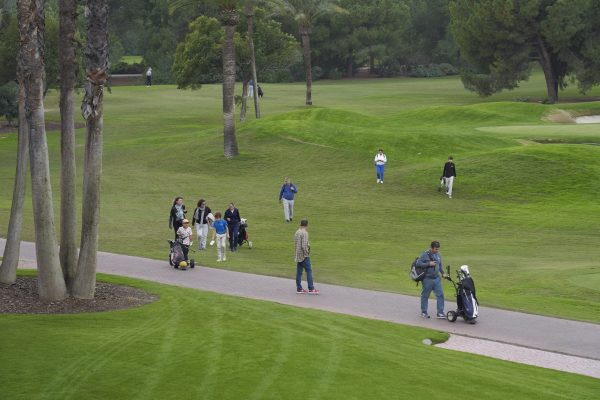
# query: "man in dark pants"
432 260
232 216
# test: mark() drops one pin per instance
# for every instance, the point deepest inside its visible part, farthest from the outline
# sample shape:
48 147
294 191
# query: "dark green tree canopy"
500 39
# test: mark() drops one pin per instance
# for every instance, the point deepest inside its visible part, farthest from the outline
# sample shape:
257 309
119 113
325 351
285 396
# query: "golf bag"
467 305
176 256
243 234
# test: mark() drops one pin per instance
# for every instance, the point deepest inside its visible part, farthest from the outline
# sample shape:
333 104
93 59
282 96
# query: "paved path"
526 338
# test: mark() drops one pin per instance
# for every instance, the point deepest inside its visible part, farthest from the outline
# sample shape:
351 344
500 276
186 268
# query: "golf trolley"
467 305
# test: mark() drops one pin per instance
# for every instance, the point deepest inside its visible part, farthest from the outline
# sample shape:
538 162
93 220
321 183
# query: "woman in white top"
380 160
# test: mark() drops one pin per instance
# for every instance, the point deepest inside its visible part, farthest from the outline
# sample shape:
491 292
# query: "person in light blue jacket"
432 260
287 192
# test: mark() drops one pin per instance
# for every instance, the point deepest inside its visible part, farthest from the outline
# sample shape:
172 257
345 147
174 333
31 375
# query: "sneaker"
424 315
219 260
224 259
313 291
301 291
378 180
381 181
449 196
440 316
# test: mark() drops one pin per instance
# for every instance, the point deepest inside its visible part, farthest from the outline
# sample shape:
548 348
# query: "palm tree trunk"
10 260
305 38
250 18
97 74
51 282
230 141
68 218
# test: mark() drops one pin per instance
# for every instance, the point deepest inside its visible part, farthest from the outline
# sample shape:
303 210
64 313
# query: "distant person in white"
380 161
251 88
149 77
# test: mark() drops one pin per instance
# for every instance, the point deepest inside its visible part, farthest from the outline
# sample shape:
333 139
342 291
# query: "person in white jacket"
380 161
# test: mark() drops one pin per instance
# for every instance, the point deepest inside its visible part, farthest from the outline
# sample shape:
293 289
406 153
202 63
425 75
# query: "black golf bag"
243 234
467 305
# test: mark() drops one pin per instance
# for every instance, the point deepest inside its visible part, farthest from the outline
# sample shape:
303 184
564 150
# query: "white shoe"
449 196
381 182
224 259
378 180
219 260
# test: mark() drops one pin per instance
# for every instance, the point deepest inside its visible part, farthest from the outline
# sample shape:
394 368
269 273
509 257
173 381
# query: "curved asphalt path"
555 343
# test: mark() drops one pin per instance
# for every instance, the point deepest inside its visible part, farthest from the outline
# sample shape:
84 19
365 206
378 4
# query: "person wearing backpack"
432 260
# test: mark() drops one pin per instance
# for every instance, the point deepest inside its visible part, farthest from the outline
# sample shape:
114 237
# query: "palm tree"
10 260
306 12
229 18
249 11
68 75
92 111
30 16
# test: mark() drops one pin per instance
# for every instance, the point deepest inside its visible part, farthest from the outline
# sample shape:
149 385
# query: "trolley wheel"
451 316
171 263
249 244
192 263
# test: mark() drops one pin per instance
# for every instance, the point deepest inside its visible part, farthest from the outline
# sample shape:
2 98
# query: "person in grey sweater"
432 260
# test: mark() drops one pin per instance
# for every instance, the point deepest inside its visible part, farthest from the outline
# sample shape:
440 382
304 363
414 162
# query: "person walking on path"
222 233
232 216
149 77
380 161
200 220
287 192
302 257
177 214
184 235
448 175
432 260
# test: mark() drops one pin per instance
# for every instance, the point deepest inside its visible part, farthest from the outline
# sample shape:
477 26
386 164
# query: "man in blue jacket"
287 192
432 260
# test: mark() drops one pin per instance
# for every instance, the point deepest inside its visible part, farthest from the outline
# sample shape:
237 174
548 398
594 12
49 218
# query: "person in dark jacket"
432 260
232 216
201 220
177 214
448 175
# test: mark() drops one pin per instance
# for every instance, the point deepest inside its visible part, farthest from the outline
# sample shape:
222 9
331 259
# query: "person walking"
380 161
432 260
302 257
260 91
222 233
232 216
177 214
149 77
287 192
448 175
200 220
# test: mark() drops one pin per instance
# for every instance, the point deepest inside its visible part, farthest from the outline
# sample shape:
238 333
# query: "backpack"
417 273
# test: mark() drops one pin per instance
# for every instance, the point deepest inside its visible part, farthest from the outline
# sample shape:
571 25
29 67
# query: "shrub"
8 101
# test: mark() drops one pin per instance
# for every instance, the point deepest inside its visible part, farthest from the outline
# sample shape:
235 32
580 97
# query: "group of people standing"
225 227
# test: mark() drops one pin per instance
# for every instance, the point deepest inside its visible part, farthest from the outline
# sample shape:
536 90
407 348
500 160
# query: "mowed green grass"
197 345
524 216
